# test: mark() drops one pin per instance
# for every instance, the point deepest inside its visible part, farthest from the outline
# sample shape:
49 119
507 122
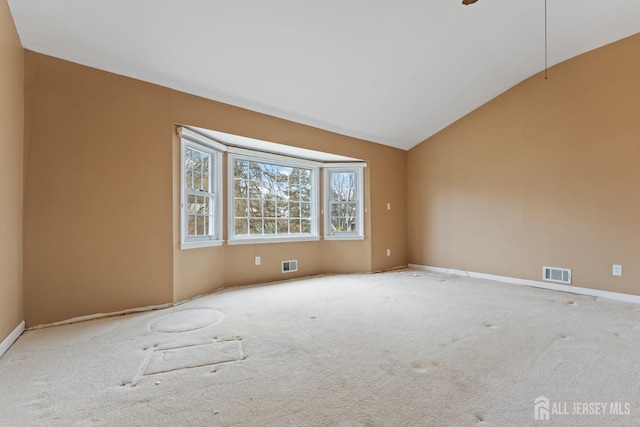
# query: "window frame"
190 139
234 154
358 169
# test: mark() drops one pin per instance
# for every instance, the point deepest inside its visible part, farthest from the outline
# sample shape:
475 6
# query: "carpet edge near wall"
616 296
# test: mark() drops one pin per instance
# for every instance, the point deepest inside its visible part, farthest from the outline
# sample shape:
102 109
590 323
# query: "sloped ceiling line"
389 72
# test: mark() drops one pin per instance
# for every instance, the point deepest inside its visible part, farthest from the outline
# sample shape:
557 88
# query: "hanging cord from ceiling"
546 41
546 56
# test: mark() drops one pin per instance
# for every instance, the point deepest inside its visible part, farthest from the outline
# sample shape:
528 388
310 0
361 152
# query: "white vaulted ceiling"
393 72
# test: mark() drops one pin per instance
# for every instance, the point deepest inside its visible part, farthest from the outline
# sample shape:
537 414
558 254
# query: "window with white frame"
344 209
272 198
201 174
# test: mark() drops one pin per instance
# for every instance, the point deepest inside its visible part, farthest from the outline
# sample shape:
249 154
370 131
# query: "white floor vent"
289 266
554 274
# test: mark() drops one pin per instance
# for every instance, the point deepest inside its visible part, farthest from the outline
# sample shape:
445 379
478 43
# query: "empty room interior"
329 214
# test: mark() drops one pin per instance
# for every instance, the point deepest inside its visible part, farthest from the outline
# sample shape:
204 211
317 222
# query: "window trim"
234 153
214 149
358 168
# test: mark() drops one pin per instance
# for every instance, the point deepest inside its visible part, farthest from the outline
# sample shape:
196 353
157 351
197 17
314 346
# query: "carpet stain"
388 368
18 357
419 368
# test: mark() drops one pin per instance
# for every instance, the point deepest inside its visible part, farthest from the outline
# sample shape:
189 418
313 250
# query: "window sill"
201 244
351 237
259 240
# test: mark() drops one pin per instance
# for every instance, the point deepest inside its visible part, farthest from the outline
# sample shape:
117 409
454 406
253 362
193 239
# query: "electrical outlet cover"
617 270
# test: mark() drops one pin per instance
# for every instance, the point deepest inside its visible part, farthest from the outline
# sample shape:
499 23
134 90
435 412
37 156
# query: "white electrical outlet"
617 270
388 252
388 206
257 260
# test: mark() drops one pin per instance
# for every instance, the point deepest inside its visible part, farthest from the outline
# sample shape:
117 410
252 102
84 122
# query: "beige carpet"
404 348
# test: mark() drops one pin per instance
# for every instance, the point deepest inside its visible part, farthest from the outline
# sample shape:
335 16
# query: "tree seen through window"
271 199
343 202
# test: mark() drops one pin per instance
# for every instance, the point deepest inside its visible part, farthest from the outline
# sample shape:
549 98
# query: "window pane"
255 189
200 226
191 204
255 226
205 164
305 226
191 225
305 210
283 226
305 194
197 181
240 188
241 207
188 159
343 186
241 169
189 181
351 210
255 208
305 176
294 193
197 157
283 209
335 210
269 209
241 227
269 226
204 204
294 210
205 180
255 171
206 225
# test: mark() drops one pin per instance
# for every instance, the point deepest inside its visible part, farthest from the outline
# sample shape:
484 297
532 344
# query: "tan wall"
11 173
545 174
388 187
102 196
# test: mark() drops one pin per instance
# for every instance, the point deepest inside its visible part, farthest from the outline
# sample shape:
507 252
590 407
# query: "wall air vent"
289 266
554 274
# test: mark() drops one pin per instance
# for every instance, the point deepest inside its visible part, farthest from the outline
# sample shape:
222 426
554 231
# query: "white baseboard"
534 283
11 338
